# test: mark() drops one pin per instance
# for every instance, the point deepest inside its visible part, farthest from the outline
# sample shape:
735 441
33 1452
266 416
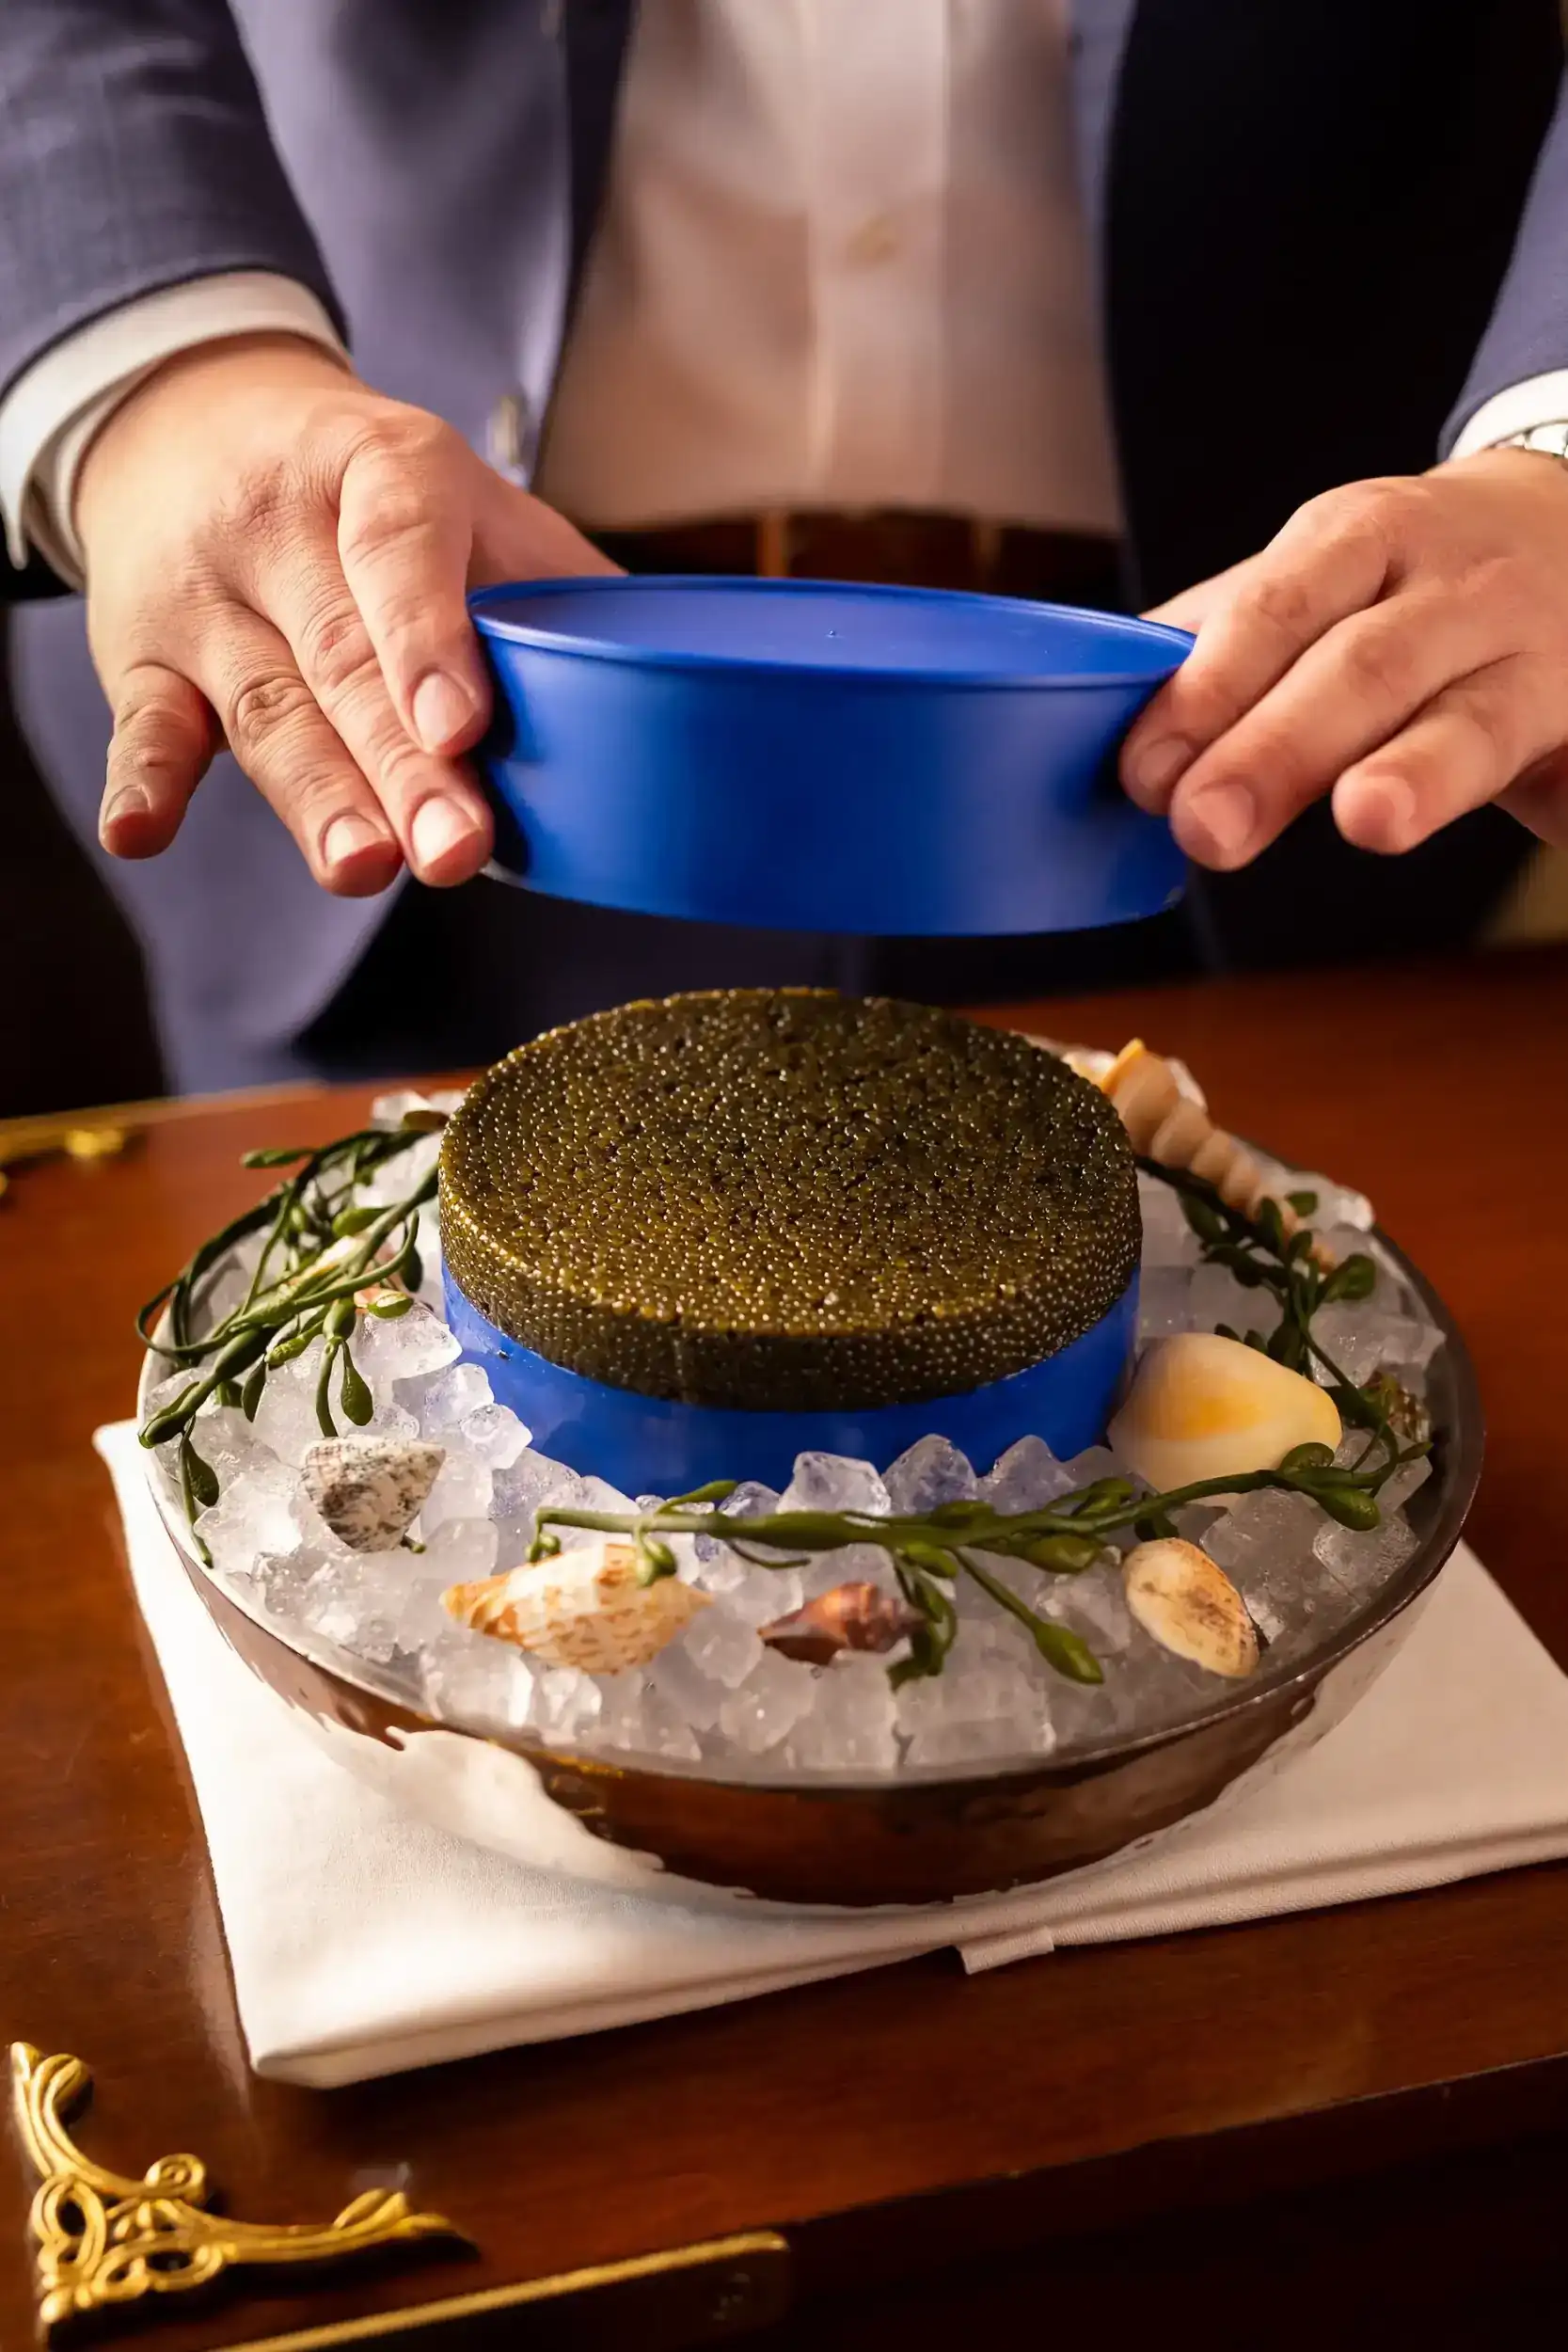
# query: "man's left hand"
1402 645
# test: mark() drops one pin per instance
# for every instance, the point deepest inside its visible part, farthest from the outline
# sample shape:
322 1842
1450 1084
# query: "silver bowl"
924 1837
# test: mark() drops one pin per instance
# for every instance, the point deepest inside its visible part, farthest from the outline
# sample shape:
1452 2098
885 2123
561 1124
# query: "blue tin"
808 757
648 1445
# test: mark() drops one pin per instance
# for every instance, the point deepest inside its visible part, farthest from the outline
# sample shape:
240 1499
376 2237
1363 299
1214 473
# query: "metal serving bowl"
927 1837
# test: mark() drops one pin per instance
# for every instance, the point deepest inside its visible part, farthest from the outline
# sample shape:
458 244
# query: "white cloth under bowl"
363 1942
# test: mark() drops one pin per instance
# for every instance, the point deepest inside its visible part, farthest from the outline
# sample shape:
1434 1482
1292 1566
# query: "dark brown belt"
905 548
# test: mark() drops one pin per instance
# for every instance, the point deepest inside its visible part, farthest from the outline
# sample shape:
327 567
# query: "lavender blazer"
1321 230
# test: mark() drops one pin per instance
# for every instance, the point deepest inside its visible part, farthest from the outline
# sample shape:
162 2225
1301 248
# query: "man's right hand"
276 556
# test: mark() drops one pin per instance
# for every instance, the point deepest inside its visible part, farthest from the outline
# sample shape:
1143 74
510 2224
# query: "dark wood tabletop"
1357 2117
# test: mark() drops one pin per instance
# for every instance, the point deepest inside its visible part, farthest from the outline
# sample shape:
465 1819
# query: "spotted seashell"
584 1608
1190 1606
368 1489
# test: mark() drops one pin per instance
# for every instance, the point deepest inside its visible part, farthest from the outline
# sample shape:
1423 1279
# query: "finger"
434 808
282 739
1463 750
164 739
518 536
404 536
1540 799
1350 691
1192 608
1332 558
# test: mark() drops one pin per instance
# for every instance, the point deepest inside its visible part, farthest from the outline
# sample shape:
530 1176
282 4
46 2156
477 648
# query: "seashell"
1202 1407
1190 1606
1166 1120
368 1489
850 1617
584 1608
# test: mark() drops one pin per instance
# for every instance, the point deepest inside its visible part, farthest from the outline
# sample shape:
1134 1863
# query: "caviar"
789 1199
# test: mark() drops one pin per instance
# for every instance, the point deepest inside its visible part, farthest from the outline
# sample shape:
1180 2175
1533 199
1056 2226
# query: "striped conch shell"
850 1617
1164 1124
584 1608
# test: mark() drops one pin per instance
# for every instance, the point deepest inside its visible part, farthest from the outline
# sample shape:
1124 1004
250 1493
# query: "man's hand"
1402 645
277 557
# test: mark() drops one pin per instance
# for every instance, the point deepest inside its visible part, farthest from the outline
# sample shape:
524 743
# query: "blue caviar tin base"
646 1445
813 756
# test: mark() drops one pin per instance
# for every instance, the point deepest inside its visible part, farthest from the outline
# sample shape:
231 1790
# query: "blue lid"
816 757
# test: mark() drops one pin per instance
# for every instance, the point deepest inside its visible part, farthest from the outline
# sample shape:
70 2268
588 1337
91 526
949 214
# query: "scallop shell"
368 1489
584 1608
1190 1606
1202 1407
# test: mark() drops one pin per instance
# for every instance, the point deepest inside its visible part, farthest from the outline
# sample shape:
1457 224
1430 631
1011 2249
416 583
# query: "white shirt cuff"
1539 400
51 412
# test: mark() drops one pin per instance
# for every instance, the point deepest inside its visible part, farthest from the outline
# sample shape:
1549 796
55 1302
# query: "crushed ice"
717 1698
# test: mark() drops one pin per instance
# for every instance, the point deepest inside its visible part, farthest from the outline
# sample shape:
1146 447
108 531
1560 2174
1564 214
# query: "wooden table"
1358 2119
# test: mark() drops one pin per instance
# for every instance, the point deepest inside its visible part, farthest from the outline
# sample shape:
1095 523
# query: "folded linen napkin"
363 1941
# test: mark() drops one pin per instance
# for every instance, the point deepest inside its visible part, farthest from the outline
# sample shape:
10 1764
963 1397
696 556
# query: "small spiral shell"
1164 1124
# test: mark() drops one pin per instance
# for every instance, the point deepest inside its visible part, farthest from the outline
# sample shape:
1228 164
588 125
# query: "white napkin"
363 1941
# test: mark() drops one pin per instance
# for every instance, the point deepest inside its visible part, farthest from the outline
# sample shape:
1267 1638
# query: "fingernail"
1220 823
439 827
1152 770
132 800
442 709
1382 814
347 836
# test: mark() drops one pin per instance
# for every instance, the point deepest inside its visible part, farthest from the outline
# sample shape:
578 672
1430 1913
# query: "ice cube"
254 1514
831 1481
1167 1237
448 1396
848 1724
761 1594
1217 1298
693 1695
1264 1544
1028 1477
286 1420
566 1704
765 1707
461 1550
405 1347
931 1472
461 1490
1165 1302
721 1645
1093 1606
1094 1463
981 1707
750 1500
495 1434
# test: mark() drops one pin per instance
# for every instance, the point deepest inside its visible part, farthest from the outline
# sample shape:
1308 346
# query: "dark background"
73 1027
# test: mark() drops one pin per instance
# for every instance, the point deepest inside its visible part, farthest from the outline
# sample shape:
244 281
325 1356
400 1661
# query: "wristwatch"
1546 441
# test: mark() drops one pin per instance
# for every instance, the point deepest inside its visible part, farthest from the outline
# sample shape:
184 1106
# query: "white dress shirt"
841 264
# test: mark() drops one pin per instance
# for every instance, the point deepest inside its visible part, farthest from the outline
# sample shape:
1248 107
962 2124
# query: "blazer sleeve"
1527 332
134 154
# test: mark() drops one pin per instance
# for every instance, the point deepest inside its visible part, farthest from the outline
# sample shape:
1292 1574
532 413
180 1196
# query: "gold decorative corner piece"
104 2239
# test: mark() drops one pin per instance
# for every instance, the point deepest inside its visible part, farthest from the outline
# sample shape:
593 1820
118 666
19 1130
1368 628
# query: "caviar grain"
789 1199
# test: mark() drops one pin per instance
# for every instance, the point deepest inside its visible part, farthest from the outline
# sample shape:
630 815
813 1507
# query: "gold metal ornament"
102 2239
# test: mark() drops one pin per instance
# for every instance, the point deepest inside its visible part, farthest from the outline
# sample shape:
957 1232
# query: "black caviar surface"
789 1199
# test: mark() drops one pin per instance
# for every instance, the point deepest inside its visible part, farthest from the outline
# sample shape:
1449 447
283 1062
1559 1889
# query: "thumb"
164 735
